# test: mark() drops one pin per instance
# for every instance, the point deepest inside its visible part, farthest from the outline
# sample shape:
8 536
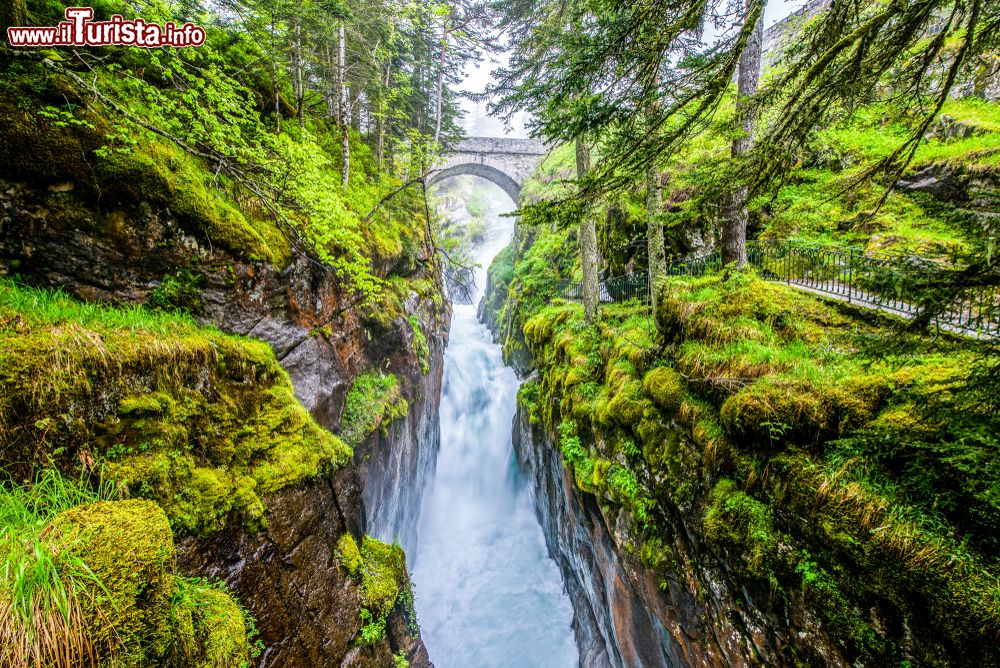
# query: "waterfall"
487 593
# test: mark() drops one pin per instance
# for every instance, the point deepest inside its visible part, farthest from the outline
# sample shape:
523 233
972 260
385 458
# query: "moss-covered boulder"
379 569
129 548
137 610
211 628
203 423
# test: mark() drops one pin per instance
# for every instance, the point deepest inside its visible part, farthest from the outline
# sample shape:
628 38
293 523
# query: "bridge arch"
505 161
488 172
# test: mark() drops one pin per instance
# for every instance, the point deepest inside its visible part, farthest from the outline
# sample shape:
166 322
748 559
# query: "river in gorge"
487 593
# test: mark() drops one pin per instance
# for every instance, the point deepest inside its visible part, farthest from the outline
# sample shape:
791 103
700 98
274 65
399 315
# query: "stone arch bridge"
506 162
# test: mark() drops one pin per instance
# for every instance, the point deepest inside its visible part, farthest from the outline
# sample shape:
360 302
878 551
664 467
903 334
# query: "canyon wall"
625 614
288 574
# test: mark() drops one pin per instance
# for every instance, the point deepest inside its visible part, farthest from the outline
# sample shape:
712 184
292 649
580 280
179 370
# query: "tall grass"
41 619
53 307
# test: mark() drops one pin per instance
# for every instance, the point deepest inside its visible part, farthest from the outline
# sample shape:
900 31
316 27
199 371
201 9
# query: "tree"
656 257
734 229
588 244
656 254
342 113
465 31
12 13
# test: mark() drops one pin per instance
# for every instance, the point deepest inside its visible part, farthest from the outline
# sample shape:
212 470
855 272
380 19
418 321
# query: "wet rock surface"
290 578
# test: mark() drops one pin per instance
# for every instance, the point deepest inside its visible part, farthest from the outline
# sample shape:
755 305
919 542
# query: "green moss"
203 423
380 570
349 554
45 149
136 609
213 630
374 401
383 573
666 387
164 174
737 521
133 603
828 459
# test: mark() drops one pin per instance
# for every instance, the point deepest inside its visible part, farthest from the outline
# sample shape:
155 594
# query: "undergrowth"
372 403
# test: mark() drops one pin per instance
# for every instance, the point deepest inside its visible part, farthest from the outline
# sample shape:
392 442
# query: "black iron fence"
611 290
885 282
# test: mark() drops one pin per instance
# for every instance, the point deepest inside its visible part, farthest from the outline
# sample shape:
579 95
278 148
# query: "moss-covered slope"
933 211
806 449
203 423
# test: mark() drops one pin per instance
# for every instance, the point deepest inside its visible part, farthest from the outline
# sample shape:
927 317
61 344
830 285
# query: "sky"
477 76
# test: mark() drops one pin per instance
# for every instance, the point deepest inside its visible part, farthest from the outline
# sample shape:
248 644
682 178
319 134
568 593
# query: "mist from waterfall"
487 593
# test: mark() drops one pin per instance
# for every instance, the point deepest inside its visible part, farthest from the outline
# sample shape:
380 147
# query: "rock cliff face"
287 574
290 577
626 616
394 467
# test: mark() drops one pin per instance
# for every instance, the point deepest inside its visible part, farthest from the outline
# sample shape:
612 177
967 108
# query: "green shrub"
373 402
180 291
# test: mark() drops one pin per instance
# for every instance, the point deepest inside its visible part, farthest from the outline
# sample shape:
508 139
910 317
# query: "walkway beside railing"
876 281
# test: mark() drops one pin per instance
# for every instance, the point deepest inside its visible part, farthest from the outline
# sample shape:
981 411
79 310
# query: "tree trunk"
588 244
330 79
438 99
274 81
380 120
13 13
656 254
345 136
300 89
356 111
277 103
734 230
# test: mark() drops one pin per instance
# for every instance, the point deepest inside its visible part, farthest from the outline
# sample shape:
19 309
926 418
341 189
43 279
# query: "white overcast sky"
478 75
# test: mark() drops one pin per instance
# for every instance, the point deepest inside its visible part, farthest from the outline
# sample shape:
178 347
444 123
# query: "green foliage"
372 628
380 571
39 586
420 347
820 199
738 521
238 185
178 292
824 443
213 629
373 402
89 578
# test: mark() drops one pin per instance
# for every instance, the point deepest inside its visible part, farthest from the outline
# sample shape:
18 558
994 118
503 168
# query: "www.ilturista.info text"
79 30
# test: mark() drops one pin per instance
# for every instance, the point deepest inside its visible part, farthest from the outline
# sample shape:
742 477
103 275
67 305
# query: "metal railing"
879 281
611 290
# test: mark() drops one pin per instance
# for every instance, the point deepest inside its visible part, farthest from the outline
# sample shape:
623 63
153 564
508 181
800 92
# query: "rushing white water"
487 593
